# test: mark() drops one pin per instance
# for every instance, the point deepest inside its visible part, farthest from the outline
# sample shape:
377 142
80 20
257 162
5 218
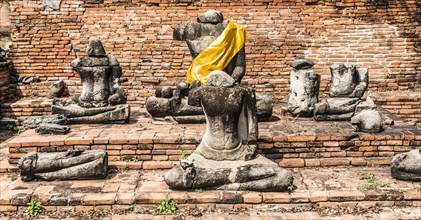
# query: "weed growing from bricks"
34 208
184 155
372 182
168 206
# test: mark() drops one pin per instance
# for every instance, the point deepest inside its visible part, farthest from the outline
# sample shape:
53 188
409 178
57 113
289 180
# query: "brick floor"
328 186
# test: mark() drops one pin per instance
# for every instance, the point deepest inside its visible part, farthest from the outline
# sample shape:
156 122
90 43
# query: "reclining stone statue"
207 38
407 166
226 157
70 165
102 100
347 86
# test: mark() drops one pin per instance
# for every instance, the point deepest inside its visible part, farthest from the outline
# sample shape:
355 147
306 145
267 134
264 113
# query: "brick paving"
327 187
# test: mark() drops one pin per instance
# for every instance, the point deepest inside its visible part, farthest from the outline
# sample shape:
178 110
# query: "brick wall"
405 104
383 36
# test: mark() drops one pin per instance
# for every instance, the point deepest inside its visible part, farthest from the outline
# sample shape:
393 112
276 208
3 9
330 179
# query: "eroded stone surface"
407 166
106 115
48 128
366 117
91 164
199 36
301 63
304 86
211 16
57 89
54 4
33 122
258 174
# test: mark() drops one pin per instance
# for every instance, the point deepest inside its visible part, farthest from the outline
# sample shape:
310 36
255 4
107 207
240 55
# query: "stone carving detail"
33 122
52 129
304 86
70 165
366 117
347 86
102 100
48 124
407 166
199 36
225 159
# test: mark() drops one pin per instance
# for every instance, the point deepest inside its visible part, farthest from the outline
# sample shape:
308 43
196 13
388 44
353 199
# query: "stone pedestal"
117 114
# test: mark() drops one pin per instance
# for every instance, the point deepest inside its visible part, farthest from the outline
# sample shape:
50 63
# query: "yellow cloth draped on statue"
219 54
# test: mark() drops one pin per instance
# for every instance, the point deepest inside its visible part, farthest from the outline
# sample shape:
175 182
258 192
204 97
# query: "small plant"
184 155
363 187
21 130
418 188
373 182
130 208
34 208
50 87
200 190
168 206
369 177
31 95
380 183
134 159
10 126
290 188
126 166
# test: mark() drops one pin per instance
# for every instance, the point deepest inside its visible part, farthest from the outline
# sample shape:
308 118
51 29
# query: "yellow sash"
218 55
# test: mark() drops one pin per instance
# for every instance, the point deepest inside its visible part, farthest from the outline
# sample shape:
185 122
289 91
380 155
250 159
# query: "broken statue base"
117 114
258 174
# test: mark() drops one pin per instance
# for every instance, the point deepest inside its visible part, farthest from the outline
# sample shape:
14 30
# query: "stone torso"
95 82
222 110
343 83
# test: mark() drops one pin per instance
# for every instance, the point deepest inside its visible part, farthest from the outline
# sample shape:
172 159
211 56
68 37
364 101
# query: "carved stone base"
118 114
335 109
259 174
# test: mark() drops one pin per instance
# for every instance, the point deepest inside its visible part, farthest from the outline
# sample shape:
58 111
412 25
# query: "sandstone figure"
304 88
202 38
226 157
70 165
347 86
102 99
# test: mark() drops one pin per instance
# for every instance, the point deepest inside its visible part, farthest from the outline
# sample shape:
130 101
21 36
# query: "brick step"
309 143
313 187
